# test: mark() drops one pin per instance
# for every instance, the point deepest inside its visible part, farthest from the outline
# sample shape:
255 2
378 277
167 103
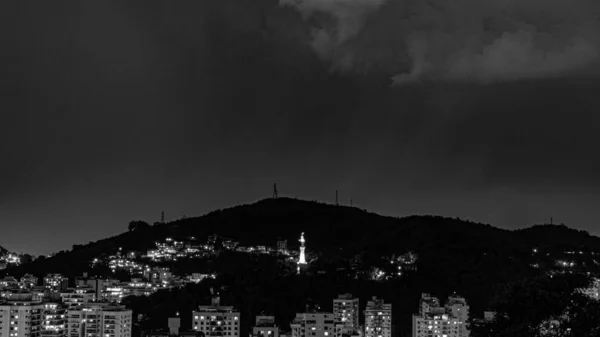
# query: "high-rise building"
217 320
315 324
21 316
99 320
56 282
378 318
265 327
345 311
434 320
54 320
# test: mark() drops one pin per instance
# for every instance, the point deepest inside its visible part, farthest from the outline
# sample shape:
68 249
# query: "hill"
333 231
475 260
329 229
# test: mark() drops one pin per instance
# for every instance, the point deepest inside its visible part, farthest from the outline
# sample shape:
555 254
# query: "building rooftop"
345 297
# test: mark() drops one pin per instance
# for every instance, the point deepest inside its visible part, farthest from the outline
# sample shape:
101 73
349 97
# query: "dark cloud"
459 40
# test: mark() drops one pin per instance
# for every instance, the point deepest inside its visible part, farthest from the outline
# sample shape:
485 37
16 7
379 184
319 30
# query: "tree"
550 303
26 258
137 225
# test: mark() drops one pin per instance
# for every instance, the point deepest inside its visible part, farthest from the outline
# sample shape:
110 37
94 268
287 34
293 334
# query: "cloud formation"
471 40
349 19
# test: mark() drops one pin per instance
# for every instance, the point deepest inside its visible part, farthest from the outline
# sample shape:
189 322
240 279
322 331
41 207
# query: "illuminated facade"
217 320
56 282
54 320
99 320
433 325
378 318
434 320
345 311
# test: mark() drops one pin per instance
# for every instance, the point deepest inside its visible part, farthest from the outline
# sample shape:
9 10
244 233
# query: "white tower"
302 259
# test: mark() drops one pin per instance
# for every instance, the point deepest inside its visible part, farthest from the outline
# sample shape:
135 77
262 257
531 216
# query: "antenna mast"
275 194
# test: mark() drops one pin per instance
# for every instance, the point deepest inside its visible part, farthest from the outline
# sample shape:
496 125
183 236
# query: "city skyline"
300 168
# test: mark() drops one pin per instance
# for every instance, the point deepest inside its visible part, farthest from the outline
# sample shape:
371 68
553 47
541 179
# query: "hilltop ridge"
329 229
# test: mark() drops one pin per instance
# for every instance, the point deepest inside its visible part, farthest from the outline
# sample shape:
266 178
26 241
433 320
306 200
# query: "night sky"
117 110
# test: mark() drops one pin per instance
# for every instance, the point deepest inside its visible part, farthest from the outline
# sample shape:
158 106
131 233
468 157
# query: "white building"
265 327
217 320
21 316
99 320
54 320
378 318
313 325
435 325
345 312
434 320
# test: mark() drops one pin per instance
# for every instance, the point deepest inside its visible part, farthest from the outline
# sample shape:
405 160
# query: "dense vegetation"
540 306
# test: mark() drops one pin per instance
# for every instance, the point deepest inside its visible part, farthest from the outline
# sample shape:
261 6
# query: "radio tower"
275 195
